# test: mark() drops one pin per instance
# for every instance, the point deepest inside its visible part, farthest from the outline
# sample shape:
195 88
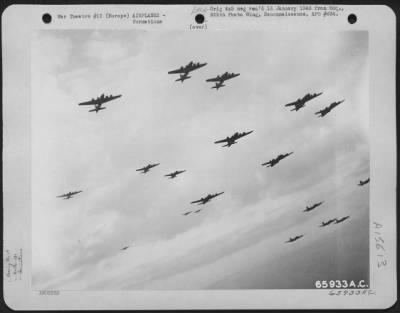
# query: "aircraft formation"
323 224
334 220
301 102
219 80
184 71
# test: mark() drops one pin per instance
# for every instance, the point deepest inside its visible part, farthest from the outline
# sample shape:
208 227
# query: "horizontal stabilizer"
93 110
217 86
182 78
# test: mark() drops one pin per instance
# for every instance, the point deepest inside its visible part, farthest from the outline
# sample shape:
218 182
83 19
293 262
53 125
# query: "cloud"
159 120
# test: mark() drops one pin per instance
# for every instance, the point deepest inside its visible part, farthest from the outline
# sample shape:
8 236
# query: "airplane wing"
62 196
267 163
91 102
197 201
141 169
179 71
322 112
197 66
215 79
222 140
292 103
314 95
216 195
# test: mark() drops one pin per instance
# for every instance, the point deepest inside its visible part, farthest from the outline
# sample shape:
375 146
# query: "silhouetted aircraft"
295 238
187 213
174 174
69 195
299 103
147 168
232 139
276 160
184 71
340 220
361 183
313 206
323 224
197 211
99 101
326 110
124 248
207 199
219 80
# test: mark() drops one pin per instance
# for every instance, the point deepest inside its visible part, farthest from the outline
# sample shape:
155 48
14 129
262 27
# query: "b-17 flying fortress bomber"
362 183
329 108
147 168
323 224
184 71
232 139
187 213
300 103
308 209
174 174
220 79
99 101
207 198
276 160
295 238
69 195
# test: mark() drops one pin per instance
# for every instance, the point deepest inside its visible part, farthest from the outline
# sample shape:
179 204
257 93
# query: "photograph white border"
19 22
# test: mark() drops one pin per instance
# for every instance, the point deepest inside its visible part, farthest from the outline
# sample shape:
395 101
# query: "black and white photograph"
168 160
199 157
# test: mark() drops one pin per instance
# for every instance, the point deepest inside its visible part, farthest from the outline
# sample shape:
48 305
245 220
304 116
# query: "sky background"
237 241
